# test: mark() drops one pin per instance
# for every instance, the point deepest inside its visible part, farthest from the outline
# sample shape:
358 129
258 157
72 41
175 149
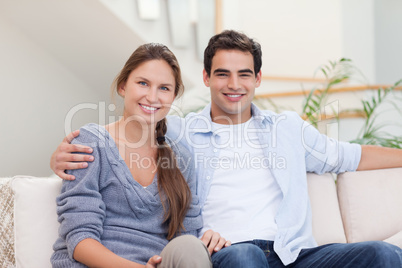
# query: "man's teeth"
149 108
233 96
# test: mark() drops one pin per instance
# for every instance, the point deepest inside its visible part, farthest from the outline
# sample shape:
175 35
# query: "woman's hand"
153 261
63 158
214 242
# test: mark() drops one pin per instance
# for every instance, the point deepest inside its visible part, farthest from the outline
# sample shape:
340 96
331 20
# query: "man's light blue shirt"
293 148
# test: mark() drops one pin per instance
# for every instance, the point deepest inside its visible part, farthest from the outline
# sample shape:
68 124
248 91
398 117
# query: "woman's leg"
185 251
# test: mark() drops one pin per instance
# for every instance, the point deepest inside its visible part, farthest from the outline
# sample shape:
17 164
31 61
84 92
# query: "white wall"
36 94
158 31
388 41
358 35
56 56
296 36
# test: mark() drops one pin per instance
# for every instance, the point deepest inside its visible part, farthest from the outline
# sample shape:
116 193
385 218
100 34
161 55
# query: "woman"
124 208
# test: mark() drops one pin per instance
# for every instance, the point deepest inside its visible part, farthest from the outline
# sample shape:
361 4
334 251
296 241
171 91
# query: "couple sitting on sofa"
242 169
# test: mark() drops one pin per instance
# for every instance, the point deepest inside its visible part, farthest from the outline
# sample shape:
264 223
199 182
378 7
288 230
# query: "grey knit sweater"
105 203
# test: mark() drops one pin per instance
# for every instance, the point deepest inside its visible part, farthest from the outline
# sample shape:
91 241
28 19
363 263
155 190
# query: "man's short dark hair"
232 40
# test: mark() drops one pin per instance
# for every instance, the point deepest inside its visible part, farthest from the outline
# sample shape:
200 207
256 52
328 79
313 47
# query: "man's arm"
376 157
64 158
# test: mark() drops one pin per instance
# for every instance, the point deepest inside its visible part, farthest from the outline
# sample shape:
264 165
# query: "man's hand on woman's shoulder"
65 158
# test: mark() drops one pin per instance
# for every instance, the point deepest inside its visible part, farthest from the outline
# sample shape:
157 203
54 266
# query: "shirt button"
215 150
208 177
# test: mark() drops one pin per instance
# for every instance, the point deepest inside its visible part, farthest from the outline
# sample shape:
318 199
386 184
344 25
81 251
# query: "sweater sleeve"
80 208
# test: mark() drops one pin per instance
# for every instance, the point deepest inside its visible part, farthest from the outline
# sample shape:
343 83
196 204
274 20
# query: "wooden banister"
334 90
341 115
218 16
293 78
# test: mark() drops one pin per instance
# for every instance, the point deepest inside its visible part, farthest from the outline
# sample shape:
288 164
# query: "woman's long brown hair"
173 189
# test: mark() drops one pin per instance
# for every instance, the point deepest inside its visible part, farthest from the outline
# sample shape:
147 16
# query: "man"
251 169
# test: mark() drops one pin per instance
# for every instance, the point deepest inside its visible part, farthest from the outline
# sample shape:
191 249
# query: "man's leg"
240 255
185 251
364 254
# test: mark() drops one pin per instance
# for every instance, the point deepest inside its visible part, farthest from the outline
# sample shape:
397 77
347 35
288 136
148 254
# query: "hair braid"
172 183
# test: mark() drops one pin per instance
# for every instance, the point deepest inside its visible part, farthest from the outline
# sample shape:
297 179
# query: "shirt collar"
259 115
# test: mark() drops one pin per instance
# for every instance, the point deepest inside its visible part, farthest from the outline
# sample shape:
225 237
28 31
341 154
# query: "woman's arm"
93 254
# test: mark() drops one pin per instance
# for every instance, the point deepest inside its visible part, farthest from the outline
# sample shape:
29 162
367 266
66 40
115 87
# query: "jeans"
260 253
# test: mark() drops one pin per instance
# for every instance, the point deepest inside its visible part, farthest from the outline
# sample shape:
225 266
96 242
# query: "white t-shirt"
244 197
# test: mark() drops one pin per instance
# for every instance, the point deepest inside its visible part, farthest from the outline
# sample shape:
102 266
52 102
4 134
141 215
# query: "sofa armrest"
371 204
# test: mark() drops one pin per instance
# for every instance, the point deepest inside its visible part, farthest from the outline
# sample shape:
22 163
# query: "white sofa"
360 206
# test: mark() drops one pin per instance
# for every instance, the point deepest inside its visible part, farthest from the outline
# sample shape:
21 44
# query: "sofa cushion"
327 221
35 219
371 204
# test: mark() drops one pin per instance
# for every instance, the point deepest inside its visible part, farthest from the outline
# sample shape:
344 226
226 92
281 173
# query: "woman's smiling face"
149 91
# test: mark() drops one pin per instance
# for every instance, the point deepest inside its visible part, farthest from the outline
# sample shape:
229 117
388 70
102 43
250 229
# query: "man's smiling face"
232 83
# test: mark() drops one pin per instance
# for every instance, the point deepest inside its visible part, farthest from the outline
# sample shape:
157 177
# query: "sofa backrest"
371 204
